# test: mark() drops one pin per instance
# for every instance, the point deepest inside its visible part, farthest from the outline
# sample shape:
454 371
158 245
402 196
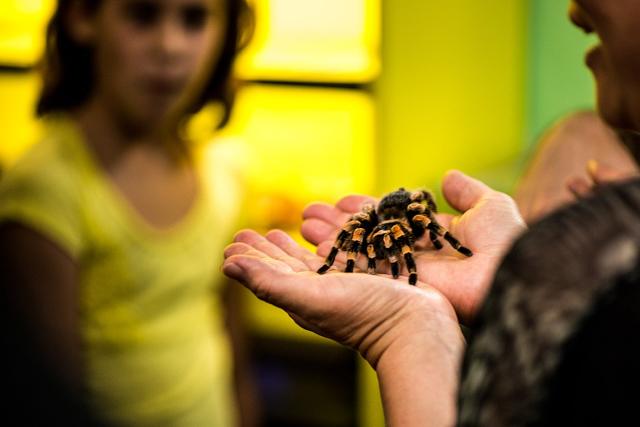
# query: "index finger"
354 203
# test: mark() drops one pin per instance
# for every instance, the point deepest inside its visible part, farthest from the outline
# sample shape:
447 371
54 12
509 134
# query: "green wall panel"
451 94
558 80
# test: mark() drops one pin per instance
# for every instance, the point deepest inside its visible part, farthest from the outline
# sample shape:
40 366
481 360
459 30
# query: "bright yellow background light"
306 144
22 23
311 40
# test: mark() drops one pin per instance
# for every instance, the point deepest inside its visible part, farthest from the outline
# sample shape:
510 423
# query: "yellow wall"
316 41
21 26
451 91
18 93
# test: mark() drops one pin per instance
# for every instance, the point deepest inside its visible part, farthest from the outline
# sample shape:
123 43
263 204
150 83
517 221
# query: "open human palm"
488 224
367 313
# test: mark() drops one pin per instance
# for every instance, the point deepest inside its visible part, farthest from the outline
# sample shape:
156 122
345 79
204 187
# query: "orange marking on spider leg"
397 231
379 233
416 195
329 261
351 225
421 218
351 261
362 217
387 241
415 206
371 252
358 235
406 250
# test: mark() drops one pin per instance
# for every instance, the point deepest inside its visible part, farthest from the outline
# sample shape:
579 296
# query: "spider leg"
434 240
385 242
371 254
329 261
406 248
411 266
430 201
426 197
346 231
416 213
402 241
456 244
354 248
435 228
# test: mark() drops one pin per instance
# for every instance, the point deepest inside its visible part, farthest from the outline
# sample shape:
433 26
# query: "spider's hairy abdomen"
394 205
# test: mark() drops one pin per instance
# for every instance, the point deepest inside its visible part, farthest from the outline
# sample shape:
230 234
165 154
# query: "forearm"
419 381
245 388
39 298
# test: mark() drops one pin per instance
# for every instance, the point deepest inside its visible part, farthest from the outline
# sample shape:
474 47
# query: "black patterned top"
554 343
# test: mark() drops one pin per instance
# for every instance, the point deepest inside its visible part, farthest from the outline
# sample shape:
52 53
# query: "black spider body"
390 231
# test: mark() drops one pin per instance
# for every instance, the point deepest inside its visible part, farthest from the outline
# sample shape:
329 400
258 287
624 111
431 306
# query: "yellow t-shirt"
156 351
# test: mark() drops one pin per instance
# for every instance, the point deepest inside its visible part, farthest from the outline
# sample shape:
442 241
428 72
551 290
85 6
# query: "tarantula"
390 232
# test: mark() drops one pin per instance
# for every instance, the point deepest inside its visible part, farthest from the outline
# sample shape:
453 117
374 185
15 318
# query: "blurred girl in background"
109 235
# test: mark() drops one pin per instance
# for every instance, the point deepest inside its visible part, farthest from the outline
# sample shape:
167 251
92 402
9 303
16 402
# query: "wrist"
418 371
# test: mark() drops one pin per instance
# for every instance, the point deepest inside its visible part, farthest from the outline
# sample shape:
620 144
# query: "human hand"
409 334
371 314
489 223
597 174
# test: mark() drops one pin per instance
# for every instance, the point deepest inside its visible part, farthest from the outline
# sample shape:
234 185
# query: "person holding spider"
551 315
109 228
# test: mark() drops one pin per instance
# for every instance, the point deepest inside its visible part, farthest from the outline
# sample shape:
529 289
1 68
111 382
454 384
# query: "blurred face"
615 61
151 56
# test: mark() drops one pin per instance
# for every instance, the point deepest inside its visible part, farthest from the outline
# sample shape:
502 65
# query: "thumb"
461 191
601 174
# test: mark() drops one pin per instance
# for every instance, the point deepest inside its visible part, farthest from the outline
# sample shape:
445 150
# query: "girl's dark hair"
68 66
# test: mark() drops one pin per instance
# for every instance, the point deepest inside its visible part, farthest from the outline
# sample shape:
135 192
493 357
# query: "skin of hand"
598 174
410 335
558 163
489 223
